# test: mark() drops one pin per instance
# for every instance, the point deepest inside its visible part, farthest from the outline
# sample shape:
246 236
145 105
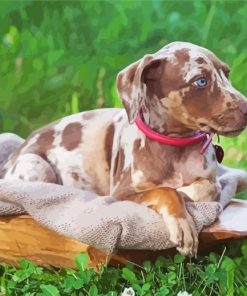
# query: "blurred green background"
62 57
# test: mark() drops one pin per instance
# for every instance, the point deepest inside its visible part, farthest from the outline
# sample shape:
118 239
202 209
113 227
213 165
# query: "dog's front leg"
170 205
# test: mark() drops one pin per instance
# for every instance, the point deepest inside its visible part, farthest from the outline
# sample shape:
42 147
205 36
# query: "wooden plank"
23 238
232 223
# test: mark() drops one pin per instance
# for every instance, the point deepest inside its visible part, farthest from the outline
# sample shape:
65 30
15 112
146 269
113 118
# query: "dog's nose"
243 108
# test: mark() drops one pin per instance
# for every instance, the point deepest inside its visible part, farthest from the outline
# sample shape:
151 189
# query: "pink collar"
199 137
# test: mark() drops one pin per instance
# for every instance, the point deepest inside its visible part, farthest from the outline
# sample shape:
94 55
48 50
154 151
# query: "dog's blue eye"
201 82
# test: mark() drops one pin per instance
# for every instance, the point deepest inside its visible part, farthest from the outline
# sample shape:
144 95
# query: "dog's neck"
161 122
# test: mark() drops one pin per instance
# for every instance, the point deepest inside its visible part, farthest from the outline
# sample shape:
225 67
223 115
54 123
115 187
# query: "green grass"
216 274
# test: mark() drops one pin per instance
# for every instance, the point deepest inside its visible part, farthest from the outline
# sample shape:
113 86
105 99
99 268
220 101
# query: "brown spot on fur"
228 104
182 55
205 163
45 141
124 190
71 136
75 176
88 115
201 60
118 165
42 145
79 178
108 143
121 178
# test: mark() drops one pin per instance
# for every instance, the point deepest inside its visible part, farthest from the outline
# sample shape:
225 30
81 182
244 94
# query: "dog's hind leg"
31 167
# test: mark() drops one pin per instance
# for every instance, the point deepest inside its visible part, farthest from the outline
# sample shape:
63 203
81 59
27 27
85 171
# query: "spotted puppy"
179 90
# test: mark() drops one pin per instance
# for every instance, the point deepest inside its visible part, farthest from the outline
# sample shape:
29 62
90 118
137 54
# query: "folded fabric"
8 143
102 222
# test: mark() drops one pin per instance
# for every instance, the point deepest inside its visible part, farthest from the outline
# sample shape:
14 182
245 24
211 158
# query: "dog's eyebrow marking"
201 60
71 136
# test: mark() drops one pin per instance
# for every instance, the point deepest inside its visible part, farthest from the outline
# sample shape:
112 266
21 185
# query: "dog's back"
78 148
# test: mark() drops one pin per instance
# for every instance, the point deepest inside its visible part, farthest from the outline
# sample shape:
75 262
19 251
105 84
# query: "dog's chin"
230 134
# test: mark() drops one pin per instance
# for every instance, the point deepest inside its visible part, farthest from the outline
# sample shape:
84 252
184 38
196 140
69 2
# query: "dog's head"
185 84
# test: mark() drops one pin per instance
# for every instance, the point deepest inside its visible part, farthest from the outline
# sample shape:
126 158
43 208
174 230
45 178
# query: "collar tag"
219 152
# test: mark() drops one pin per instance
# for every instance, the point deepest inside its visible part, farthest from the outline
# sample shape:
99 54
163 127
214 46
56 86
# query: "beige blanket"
102 222
98 221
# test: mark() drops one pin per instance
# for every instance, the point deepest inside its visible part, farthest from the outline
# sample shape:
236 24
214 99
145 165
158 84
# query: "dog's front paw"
184 235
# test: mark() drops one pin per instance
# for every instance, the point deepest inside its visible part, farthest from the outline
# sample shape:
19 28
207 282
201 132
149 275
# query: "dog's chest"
155 165
197 166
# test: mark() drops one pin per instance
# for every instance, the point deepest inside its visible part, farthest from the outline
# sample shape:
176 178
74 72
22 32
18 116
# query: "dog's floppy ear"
131 83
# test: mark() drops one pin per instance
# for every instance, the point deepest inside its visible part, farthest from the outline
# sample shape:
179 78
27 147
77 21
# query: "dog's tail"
8 144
